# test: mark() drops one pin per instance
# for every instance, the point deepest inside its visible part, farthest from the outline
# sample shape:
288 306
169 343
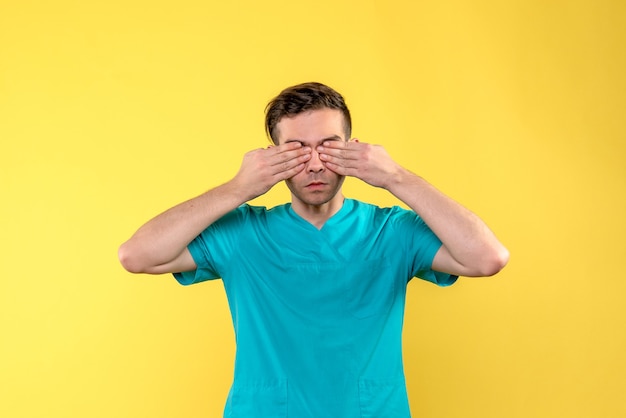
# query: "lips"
315 184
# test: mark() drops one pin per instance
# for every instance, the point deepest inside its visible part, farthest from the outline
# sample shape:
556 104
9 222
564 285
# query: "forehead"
312 127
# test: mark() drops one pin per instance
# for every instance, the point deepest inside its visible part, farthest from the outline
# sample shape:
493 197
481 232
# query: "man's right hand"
262 168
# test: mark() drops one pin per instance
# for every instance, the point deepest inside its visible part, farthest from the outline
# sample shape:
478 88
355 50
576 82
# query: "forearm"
473 247
164 238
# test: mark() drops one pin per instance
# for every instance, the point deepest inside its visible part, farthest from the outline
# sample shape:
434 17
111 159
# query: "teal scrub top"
317 314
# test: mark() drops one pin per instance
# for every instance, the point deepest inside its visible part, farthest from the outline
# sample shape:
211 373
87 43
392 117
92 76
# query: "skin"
313 157
315 191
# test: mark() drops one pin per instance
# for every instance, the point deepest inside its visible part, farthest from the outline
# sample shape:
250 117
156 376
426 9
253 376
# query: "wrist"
239 190
398 178
408 186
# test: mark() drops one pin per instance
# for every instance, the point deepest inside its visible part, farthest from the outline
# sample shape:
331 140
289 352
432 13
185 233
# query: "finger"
287 161
350 144
340 169
288 146
338 161
279 149
300 154
290 149
344 151
289 173
334 145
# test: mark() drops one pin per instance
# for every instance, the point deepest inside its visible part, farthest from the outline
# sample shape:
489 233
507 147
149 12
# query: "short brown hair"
301 98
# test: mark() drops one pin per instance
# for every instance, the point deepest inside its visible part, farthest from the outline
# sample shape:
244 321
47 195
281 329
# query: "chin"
317 198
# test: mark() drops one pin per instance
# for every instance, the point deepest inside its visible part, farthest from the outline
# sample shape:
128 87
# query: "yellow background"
112 111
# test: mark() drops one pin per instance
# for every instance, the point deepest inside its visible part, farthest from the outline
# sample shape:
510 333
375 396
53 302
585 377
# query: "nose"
315 164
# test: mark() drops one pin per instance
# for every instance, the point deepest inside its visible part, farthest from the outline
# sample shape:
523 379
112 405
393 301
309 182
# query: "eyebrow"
330 138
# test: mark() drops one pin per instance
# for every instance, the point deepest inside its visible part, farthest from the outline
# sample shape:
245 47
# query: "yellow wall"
112 111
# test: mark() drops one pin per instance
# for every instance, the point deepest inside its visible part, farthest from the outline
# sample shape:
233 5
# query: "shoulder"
239 216
389 213
263 211
248 215
248 210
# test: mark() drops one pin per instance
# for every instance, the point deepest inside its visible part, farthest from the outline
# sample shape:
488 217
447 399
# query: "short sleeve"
422 244
213 248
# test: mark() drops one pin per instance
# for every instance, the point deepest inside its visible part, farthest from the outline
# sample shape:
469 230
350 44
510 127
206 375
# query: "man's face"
316 184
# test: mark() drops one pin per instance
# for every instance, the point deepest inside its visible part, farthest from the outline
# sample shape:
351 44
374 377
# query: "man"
316 288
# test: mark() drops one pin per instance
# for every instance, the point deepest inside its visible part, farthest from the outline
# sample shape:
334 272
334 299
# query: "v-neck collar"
337 217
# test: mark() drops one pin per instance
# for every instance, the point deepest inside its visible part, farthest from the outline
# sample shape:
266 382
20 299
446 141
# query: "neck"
317 215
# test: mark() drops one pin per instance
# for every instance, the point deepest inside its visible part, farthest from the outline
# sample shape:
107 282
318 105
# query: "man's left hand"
370 163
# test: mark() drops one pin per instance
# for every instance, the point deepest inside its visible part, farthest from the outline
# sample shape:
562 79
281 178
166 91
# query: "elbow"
494 262
129 259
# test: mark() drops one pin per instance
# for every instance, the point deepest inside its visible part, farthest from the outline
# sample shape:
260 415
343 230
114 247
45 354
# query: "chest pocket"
370 288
